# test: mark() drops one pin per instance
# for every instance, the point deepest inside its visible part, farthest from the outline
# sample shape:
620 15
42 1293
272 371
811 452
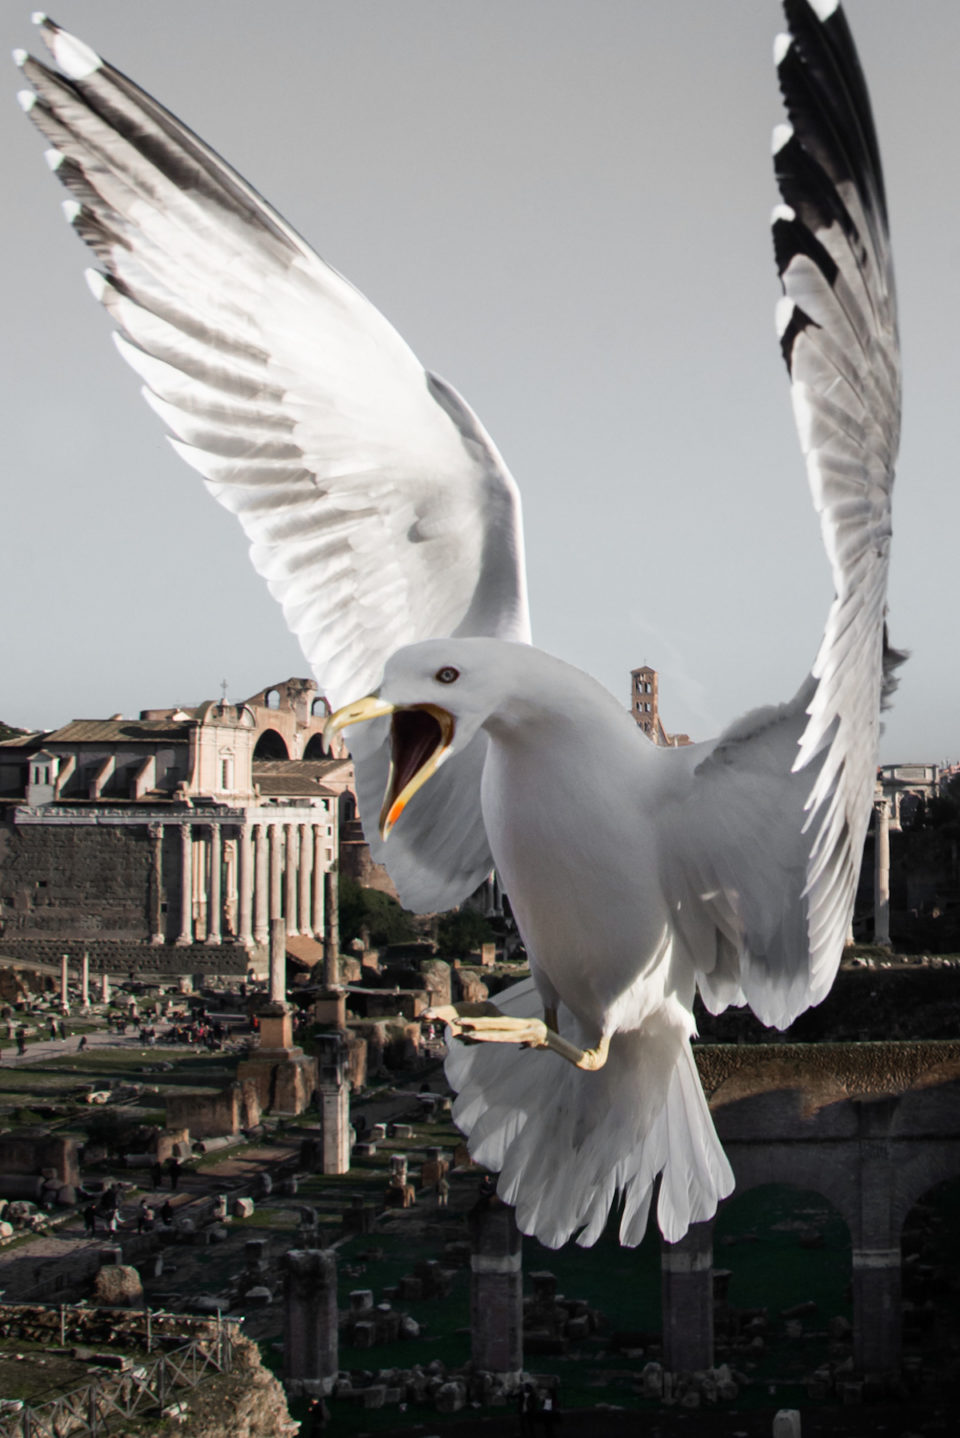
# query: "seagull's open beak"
420 739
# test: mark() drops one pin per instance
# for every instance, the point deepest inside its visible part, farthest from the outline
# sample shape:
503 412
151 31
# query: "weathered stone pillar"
230 886
245 918
881 872
65 982
104 988
876 1246
331 933
306 871
186 885
876 1311
156 882
496 1289
261 886
278 962
200 850
85 980
276 872
215 887
333 1097
292 886
316 917
310 1351
686 1286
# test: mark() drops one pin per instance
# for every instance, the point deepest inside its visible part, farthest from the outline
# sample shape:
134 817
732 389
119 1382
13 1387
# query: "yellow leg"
484 1023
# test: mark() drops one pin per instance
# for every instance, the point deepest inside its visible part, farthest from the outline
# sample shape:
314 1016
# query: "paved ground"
43 1049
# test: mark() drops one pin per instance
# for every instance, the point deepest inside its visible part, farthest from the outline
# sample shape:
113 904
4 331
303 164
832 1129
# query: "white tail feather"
566 1142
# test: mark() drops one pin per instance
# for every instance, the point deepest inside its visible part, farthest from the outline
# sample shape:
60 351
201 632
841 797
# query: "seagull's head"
437 694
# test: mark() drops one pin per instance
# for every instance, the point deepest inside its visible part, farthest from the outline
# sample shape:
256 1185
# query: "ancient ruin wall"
74 882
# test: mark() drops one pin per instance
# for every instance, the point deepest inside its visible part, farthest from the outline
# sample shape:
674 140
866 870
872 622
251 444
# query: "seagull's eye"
447 675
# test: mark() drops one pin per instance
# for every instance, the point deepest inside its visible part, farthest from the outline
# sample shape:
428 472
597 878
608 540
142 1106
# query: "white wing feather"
768 829
377 508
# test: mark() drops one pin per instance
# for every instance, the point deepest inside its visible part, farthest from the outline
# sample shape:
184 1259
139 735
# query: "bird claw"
485 1024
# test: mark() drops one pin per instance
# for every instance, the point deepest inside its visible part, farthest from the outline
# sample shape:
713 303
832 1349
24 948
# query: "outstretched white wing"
377 508
769 825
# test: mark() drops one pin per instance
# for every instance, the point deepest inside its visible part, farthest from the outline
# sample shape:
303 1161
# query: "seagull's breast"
571 830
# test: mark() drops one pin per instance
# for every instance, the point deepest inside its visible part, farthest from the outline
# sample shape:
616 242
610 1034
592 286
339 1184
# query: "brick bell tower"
645 708
645 700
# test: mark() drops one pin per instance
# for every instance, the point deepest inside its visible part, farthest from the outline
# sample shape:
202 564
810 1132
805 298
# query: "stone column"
686 1287
215 887
186 885
261 885
876 1244
65 982
881 872
278 962
331 934
316 917
306 870
200 853
496 1289
104 988
85 980
276 872
876 1311
290 896
333 1096
156 882
231 884
310 1330
245 918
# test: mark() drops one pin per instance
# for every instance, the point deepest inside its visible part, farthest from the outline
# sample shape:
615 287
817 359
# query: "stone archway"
315 748
930 1247
785 1249
270 745
870 1126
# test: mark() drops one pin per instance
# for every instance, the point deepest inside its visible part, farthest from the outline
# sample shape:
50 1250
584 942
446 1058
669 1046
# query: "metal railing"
149 1386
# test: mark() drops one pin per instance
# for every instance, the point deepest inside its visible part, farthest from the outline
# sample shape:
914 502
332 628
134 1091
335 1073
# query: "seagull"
388 527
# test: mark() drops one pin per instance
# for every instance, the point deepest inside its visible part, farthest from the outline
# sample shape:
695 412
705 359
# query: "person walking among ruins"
174 1170
108 1207
166 1213
21 1037
63 1029
527 1409
53 1030
81 1046
443 1191
549 1414
90 1219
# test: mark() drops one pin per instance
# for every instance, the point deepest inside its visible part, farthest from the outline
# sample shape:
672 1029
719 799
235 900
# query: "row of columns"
496 1303
84 982
273 871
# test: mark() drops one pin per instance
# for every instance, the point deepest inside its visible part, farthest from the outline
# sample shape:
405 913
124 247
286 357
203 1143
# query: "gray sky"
563 207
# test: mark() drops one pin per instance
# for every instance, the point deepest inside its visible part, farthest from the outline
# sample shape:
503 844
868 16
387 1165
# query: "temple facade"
183 828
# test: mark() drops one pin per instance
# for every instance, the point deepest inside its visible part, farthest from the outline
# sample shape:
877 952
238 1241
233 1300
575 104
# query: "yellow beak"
399 793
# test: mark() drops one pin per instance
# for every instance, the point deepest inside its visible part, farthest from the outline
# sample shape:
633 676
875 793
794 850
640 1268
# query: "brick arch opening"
930 1279
271 745
782 1255
315 748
